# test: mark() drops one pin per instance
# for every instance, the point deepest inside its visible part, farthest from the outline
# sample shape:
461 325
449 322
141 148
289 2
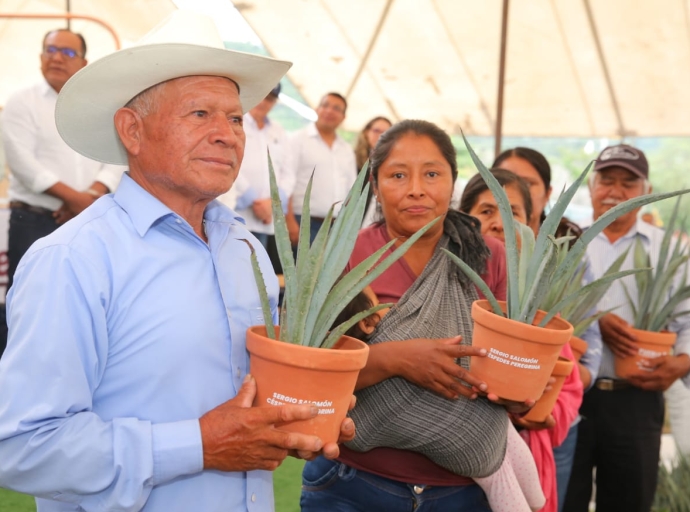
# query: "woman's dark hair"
360 303
422 128
534 157
477 186
362 149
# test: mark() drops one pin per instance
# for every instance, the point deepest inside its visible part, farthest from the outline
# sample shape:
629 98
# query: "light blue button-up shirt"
125 328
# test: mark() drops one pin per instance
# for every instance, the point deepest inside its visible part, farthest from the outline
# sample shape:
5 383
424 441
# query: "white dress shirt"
252 182
334 168
37 156
602 253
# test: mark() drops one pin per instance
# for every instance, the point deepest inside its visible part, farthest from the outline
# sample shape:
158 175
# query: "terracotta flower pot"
293 374
650 345
578 346
544 405
520 356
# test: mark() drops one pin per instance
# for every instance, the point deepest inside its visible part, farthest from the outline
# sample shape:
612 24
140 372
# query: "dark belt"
611 384
317 219
21 205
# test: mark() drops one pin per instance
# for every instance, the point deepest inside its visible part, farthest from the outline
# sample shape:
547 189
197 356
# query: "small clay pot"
293 374
649 345
544 405
520 357
578 346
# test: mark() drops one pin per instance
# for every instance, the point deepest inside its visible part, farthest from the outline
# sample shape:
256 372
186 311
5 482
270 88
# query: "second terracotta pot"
578 346
544 405
292 374
520 356
650 345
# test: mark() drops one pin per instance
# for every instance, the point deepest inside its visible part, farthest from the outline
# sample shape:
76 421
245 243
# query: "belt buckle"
605 384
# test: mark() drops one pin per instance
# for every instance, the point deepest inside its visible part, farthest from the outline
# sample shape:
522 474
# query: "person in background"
49 182
125 383
317 149
366 140
252 189
477 200
546 437
368 137
534 168
622 420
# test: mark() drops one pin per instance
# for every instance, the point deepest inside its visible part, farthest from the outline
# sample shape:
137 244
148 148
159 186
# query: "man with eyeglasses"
49 182
319 149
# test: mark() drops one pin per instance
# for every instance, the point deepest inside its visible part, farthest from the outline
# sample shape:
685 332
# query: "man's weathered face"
57 67
613 186
330 112
191 145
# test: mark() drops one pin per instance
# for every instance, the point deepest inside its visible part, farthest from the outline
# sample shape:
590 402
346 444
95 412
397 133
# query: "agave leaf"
661 319
477 280
581 326
550 224
506 212
526 251
284 251
304 239
605 280
579 309
338 249
263 294
632 304
357 279
538 285
337 333
308 275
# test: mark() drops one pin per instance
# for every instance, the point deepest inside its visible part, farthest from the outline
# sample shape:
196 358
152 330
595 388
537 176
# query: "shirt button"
239 372
253 498
178 221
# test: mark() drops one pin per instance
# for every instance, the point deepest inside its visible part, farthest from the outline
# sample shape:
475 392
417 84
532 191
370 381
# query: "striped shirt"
602 253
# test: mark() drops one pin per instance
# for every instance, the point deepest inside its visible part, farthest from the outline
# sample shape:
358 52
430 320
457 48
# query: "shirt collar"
47 90
145 210
640 227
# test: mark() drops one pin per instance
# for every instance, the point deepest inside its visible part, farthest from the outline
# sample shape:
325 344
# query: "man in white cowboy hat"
125 382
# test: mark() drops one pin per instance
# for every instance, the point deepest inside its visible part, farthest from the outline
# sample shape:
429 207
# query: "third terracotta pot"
649 345
544 405
520 357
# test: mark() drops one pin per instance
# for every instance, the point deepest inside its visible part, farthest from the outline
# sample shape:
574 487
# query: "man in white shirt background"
49 182
252 188
319 149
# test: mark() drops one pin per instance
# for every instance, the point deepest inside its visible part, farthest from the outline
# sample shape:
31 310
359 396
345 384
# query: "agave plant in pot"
305 360
523 342
573 300
659 296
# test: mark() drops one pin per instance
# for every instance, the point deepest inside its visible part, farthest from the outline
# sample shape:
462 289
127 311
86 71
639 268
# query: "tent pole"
68 10
501 79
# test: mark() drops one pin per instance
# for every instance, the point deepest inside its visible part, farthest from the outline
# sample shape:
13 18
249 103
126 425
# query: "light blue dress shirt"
125 328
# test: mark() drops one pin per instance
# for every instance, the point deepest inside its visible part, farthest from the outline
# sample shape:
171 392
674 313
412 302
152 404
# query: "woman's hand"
431 364
549 422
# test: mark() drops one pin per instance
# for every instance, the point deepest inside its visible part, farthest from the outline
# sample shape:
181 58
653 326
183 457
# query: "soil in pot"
649 345
520 357
544 405
292 374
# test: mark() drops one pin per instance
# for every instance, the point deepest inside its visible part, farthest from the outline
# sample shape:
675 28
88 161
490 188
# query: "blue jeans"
314 226
564 456
333 486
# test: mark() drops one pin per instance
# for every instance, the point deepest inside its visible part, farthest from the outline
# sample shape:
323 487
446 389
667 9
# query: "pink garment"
515 486
542 442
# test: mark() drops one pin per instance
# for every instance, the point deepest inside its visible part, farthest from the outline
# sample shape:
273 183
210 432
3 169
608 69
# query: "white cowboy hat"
184 44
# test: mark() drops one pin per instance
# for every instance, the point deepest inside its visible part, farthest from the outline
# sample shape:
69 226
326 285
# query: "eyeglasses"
66 52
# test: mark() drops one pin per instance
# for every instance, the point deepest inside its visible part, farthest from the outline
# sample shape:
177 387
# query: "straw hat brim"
87 103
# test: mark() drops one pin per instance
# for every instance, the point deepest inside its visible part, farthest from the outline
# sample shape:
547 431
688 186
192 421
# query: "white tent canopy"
592 68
